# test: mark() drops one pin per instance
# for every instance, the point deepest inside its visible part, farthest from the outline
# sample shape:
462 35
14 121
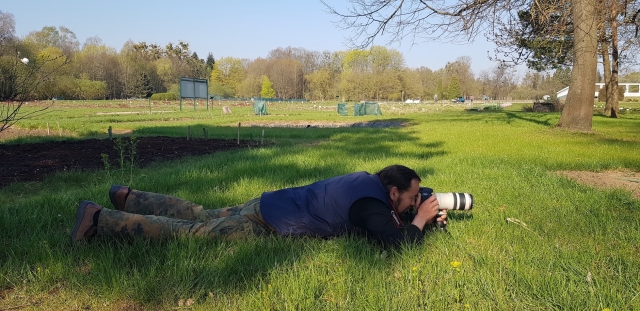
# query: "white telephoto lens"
455 200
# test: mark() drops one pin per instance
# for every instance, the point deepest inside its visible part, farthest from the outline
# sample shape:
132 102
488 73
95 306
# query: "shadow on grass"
157 272
511 116
278 167
150 271
197 268
457 216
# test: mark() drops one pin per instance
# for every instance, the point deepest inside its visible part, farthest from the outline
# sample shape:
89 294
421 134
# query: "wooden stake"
238 133
262 140
188 132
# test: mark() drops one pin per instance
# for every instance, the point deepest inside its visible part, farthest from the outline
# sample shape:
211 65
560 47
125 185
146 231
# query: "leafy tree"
267 88
410 83
251 85
499 81
426 19
545 38
441 91
324 81
454 88
562 76
535 85
197 66
461 70
88 89
227 74
220 89
139 75
165 70
286 76
542 37
62 38
372 74
427 81
98 62
53 63
210 61
320 84
308 62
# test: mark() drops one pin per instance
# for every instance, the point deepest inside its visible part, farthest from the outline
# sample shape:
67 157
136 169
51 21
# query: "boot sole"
79 215
112 196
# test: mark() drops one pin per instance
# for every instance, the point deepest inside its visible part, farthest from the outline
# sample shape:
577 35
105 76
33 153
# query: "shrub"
164 96
602 93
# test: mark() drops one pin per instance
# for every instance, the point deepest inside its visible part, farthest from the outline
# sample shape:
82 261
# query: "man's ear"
394 193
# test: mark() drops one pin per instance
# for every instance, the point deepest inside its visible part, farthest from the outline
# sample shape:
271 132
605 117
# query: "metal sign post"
194 88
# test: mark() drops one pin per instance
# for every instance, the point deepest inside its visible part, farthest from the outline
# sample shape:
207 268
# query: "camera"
447 201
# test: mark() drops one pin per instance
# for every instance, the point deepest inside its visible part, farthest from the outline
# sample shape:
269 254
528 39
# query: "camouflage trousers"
155 215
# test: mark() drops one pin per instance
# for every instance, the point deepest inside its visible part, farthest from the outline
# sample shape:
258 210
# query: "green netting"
342 109
227 98
358 109
281 100
260 107
366 109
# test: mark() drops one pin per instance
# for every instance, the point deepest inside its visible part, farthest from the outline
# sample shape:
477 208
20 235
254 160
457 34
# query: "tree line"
94 70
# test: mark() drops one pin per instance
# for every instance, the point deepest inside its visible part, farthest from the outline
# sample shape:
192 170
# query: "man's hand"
428 212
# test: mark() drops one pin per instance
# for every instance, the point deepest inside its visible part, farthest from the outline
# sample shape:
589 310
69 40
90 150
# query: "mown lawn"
534 240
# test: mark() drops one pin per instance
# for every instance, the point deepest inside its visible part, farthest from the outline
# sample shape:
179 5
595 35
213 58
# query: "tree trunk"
606 63
578 110
613 112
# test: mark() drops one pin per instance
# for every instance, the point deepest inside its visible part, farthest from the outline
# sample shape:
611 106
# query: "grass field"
534 241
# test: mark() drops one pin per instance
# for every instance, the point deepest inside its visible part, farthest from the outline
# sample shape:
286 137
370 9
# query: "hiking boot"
118 195
86 225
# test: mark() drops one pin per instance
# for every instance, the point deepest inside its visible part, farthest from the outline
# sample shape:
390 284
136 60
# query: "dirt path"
627 180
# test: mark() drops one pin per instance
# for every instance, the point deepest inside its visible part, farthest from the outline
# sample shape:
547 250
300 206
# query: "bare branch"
26 84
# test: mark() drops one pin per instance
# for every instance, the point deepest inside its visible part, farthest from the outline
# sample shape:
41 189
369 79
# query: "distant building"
631 90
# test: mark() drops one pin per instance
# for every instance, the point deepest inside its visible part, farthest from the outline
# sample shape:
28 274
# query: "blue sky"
242 29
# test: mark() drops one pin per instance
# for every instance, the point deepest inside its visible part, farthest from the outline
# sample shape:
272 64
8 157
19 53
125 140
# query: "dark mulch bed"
31 162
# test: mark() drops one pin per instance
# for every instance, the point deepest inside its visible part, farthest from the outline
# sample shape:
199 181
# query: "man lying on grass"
376 205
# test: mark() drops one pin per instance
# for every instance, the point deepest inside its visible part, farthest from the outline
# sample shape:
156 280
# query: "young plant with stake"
127 155
133 141
107 165
120 146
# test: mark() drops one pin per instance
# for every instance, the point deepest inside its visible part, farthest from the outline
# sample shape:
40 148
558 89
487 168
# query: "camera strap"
395 216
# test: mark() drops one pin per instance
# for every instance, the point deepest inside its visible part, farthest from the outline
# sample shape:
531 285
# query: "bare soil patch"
622 179
324 124
14 132
32 162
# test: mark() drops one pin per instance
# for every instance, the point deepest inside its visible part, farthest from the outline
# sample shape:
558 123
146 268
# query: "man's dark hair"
397 175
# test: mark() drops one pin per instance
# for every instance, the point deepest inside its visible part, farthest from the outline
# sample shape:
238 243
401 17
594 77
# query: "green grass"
579 249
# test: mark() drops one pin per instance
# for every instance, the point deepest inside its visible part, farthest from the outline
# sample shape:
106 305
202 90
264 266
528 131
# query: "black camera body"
447 201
